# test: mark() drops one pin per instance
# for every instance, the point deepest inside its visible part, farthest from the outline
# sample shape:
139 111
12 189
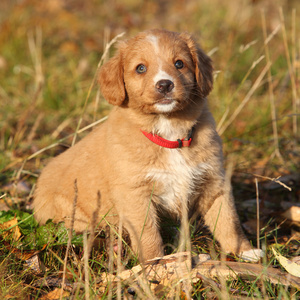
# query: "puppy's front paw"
252 255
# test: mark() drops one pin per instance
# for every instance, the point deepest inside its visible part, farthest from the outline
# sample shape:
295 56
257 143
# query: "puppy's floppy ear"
203 65
111 79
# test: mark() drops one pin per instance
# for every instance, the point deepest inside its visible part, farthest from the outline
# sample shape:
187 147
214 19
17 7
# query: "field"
49 56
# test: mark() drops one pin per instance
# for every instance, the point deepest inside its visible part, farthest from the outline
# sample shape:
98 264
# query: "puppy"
158 150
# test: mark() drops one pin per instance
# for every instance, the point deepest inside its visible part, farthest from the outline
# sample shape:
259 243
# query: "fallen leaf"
26 254
35 264
52 282
14 231
171 269
30 256
55 294
4 207
21 187
293 214
296 260
291 267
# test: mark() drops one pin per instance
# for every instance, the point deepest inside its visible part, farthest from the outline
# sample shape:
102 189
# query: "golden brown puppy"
158 151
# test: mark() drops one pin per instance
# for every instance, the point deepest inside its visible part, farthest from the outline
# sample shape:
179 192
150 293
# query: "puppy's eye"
141 69
179 64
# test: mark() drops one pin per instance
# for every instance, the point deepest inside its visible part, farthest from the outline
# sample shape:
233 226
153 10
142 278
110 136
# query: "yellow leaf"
291 267
15 231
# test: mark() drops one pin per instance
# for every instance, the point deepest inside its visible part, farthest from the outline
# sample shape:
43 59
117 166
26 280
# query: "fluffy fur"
158 82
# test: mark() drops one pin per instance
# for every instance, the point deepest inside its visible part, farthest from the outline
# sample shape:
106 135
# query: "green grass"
49 52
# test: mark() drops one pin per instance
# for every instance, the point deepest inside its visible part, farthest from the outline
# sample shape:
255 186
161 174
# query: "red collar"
170 144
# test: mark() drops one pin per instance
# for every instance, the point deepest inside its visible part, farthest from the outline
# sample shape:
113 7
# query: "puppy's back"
56 190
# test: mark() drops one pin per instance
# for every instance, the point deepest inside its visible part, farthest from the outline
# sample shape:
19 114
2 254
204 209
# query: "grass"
49 53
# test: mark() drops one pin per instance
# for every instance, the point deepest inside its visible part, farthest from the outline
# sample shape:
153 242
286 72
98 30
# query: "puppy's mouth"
165 101
165 105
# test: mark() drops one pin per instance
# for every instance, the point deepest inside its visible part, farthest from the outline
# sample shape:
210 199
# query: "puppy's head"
157 71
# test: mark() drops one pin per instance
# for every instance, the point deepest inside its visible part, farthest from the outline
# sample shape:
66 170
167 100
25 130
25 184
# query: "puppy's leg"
221 217
223 222
141 222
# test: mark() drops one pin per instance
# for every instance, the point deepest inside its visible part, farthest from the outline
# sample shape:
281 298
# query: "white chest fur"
164 128
176 180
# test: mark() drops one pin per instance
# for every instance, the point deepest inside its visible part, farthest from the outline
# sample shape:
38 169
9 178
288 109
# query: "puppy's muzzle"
164 86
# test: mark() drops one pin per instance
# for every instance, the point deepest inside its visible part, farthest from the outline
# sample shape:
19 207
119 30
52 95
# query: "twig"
93 226
254 64
35 48
257 214
65 138
61 261
119 255
246 99
34 128
60 128
275 180
110 260
294 37
291 72
70 231
271 90
18 176
86 266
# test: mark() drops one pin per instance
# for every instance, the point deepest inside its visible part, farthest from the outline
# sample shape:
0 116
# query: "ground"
49 53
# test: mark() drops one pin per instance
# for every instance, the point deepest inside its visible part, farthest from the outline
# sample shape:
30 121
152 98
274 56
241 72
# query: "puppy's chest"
175 180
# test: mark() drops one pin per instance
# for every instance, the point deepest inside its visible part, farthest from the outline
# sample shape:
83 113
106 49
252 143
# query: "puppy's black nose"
164 86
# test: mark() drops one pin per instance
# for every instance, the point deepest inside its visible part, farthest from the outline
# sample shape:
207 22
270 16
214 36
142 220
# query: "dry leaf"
26 254
168 271
15 231
55 294
293 214
296 260
4 207
291 267
35 264
30 256
51 282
